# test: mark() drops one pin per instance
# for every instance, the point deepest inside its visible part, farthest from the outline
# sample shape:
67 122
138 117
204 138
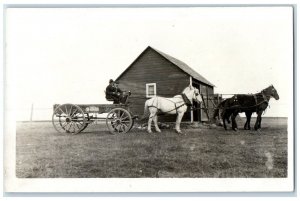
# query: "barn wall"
151 67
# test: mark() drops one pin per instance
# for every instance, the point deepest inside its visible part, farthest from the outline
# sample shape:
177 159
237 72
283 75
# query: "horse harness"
256 97
264 97
186 102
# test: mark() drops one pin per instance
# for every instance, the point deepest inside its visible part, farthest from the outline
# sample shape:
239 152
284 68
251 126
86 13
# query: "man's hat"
111 80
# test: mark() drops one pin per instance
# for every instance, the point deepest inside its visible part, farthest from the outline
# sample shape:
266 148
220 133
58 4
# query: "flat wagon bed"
71 118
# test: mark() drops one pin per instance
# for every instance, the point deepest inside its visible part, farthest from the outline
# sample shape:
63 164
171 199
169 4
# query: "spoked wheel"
118 121
84 127
69 118
87 119
131 124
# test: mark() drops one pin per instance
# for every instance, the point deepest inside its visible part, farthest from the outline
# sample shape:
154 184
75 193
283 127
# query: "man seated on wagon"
114 93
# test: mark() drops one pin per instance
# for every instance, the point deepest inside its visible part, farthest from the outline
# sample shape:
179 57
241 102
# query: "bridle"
196 93
266 94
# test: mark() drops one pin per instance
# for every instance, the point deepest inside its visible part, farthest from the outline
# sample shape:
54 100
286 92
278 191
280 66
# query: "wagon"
72 118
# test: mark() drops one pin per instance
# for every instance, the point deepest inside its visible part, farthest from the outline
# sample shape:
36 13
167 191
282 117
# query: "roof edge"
133 62
160 53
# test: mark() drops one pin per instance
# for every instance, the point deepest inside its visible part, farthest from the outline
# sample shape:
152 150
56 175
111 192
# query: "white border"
13 184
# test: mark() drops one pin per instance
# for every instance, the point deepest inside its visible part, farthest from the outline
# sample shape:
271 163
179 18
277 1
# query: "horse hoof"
149 132
159 131
235 129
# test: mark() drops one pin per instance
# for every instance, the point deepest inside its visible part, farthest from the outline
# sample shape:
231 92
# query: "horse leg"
224 117
178 121
224 123
233 121
259 123
248 118
155 124
220 117
258 120
216 113
152 115
149 124
250 114
228 119
246 123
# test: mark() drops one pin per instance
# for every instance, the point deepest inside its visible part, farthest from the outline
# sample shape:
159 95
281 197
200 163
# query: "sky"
67 55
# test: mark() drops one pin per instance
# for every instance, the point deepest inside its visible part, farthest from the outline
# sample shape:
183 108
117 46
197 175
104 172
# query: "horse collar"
186 100
255 98
264 96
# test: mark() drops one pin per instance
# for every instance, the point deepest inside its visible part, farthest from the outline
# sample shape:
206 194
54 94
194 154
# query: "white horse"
176 105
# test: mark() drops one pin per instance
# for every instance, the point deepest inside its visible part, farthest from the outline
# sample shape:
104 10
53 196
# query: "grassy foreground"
203 152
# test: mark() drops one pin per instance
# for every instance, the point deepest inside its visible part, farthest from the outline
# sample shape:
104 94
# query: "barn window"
150 90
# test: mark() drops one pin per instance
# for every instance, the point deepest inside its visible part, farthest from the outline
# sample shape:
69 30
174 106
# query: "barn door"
203 91
196 113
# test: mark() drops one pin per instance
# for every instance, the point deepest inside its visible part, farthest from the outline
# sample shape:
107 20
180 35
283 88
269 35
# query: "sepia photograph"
149 99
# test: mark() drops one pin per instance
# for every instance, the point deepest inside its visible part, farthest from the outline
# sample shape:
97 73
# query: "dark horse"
247 103
219 113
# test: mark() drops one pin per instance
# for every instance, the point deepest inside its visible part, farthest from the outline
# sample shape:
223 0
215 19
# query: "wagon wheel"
69 118
118 121
133 119
86 124
84 127
131 124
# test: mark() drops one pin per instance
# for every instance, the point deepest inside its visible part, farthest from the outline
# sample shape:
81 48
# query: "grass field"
204 152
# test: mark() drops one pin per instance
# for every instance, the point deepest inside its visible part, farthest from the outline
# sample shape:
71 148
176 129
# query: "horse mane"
187 88
271 86
183 92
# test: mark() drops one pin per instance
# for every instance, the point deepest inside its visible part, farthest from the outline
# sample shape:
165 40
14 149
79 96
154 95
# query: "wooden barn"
154 73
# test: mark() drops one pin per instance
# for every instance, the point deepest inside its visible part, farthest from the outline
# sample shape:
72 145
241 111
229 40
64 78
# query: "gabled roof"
184 67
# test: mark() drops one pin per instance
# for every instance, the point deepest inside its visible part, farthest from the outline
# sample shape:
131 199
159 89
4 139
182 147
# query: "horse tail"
216 113
146 111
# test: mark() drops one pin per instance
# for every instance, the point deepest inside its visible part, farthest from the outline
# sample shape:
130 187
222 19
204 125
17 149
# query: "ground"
204 152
